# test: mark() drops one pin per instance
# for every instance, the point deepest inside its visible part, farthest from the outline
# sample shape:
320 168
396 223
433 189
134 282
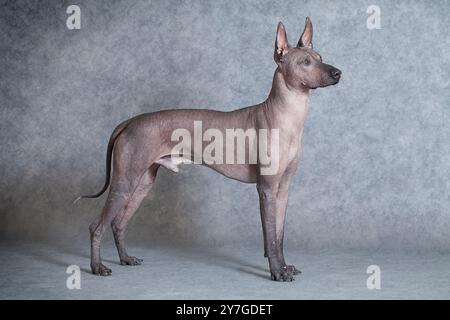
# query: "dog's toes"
288 277
281 275
131 261
292 270
275 276
101 270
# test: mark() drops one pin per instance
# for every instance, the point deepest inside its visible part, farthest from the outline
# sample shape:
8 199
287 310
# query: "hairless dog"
138 147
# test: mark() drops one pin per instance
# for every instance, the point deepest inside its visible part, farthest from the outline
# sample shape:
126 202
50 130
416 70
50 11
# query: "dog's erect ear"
281 43
306 38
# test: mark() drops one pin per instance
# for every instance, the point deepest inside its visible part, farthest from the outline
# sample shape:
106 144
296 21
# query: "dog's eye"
306 62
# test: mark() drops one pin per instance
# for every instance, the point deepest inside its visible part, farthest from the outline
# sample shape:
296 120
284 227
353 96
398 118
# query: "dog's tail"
117 131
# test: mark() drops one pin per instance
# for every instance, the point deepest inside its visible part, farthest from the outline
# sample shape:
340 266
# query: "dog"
138 147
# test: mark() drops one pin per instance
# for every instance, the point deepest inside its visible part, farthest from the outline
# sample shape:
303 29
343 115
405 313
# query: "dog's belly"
242 172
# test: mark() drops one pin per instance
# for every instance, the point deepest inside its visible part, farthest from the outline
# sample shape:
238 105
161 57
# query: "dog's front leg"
282 202
270 205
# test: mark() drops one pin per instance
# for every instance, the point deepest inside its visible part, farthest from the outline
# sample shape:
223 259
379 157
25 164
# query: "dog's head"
301 66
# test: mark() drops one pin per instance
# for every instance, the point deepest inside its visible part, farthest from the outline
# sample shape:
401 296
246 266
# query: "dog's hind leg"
127 174
120 222
116 202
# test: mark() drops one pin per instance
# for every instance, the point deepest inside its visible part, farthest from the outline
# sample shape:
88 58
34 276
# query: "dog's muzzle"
335 74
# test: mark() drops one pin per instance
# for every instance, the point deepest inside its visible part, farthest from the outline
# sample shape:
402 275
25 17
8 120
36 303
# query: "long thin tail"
117 131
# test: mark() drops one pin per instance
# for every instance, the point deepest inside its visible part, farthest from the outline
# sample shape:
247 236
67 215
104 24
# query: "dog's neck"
286 105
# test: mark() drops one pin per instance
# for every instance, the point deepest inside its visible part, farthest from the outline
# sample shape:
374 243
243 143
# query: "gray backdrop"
376 166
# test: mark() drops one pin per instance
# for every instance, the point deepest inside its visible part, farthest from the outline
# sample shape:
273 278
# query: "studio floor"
38 271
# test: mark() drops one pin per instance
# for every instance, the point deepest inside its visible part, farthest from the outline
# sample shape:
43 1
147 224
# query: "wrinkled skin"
141 145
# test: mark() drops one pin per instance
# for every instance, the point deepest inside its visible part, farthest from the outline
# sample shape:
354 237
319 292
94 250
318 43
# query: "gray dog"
141 145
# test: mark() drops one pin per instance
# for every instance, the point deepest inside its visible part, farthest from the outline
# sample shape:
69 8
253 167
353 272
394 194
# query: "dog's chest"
293 146
293 132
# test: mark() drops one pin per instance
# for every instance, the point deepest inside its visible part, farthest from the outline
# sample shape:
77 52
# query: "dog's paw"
131 261
292 269
101 270
281 274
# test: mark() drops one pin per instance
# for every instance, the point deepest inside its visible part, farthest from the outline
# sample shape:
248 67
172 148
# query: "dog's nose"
336 73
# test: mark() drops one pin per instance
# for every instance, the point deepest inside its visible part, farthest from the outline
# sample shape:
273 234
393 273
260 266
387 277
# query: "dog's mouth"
329 82
335 82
